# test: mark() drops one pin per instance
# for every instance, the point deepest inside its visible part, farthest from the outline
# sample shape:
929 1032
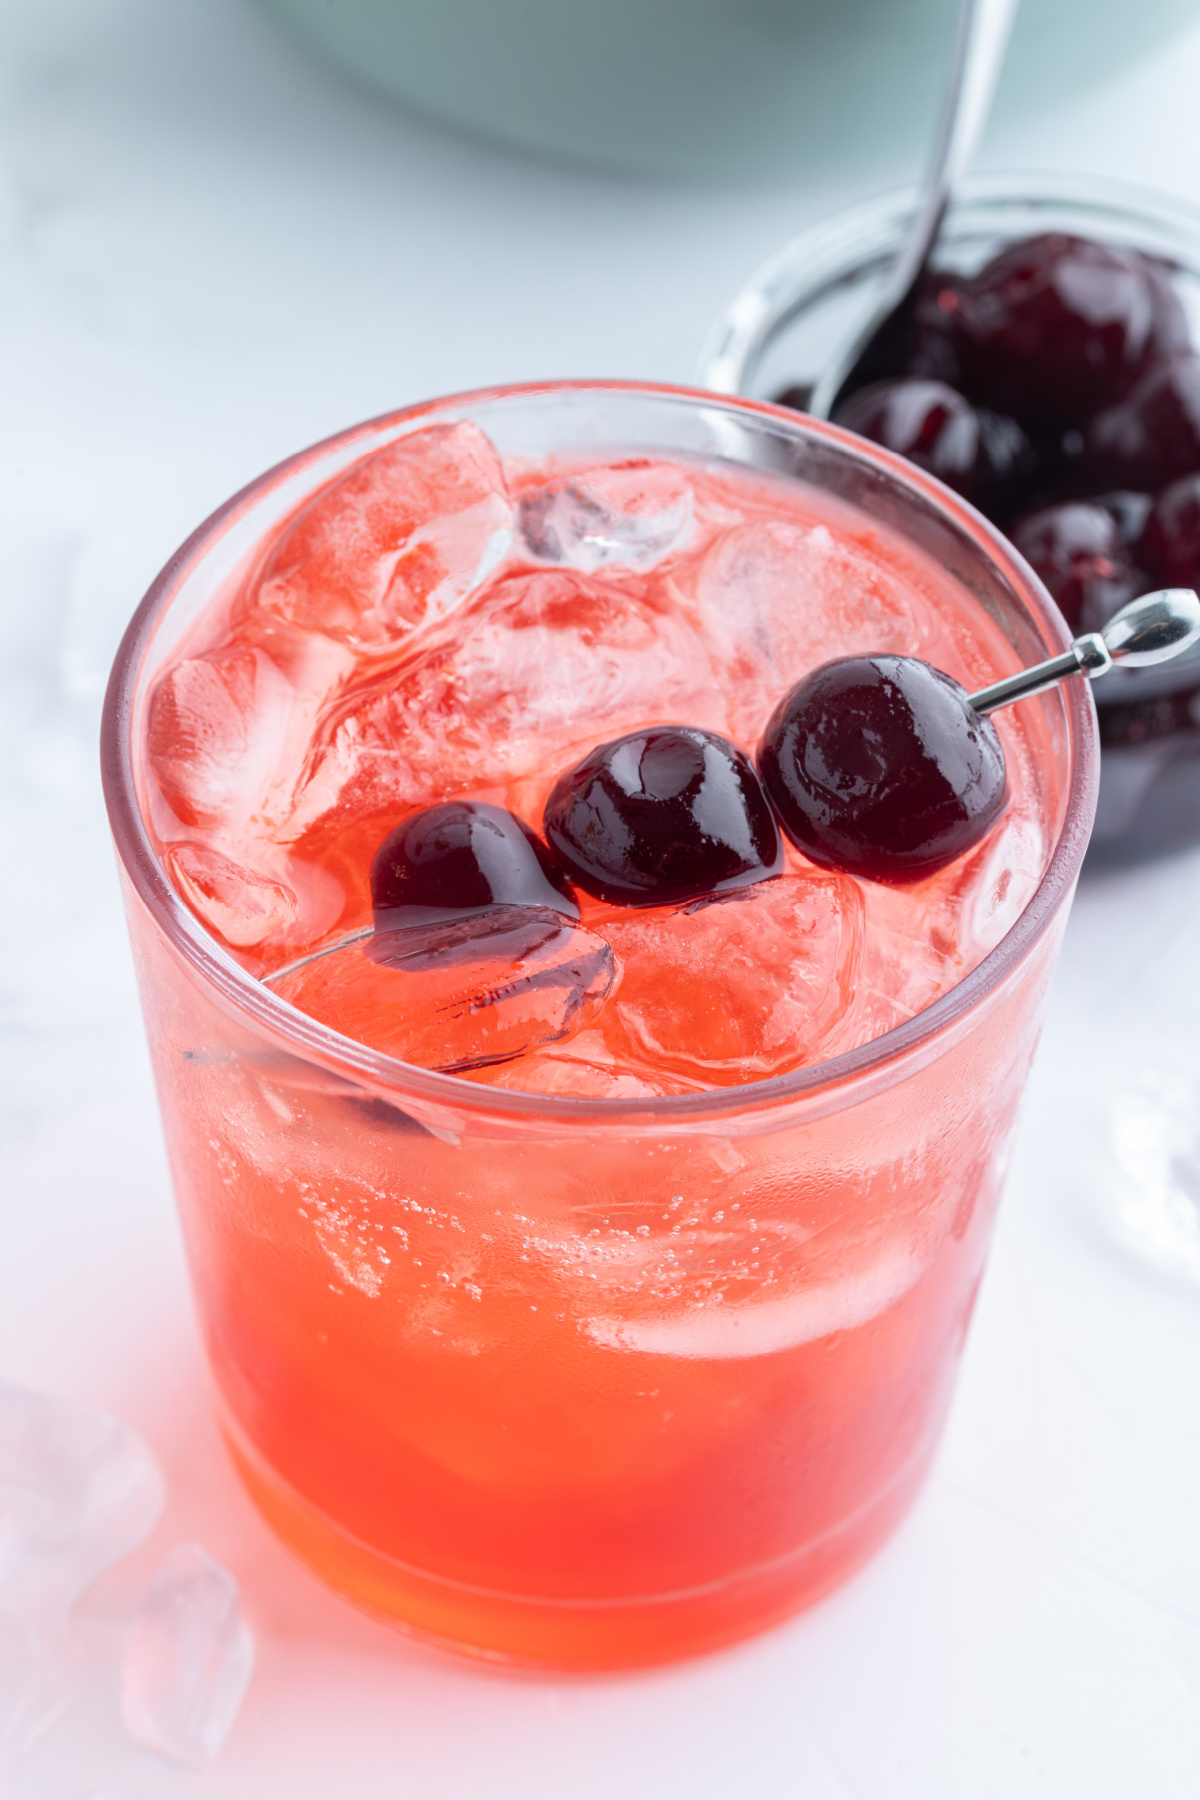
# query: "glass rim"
825 252
453 1094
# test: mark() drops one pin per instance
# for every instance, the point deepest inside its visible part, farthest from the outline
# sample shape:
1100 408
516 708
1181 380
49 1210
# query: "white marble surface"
211 252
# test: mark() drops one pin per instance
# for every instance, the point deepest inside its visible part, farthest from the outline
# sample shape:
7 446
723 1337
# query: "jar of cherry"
1050 374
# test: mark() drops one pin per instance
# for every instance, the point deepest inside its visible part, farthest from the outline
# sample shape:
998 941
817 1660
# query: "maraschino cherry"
888 768
879 765
461 859
983 456
1078 549
661 816
1056 326
1170 542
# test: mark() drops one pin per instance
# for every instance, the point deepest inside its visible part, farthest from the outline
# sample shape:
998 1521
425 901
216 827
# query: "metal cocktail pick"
1149 630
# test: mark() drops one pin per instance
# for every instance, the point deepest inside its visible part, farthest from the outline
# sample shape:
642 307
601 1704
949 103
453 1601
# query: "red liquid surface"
579 1395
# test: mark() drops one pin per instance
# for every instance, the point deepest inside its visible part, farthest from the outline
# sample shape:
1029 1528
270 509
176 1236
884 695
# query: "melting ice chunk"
398 542
460 996
776 599
1156 1141
585 1067
763 1327
551 658
215 732
78 1491
631 515
743 987
188 1660
242 907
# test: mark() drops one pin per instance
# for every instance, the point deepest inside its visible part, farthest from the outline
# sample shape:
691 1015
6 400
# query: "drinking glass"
578 1382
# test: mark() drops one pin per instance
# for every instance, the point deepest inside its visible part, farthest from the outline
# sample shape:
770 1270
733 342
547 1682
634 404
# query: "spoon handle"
981 39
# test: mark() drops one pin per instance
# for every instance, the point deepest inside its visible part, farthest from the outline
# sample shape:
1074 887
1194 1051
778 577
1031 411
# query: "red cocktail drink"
592 1294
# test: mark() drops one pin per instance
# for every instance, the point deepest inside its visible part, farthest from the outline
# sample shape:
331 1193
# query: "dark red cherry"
1129 514
981 455
1170 542
879 765
1078 551
663 815
921 344
1055 326
1152 436
933 351
460 859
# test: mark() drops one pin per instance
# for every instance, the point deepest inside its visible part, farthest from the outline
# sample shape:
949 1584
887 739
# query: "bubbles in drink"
188 1660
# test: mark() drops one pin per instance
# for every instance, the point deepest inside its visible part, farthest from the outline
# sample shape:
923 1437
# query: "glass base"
585 1634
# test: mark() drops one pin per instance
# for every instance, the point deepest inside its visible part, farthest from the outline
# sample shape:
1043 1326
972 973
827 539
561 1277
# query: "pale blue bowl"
712 87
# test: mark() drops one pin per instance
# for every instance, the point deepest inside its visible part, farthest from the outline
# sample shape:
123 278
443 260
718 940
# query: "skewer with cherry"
882 766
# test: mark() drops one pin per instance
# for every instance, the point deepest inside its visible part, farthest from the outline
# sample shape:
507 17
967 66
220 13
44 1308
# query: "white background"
213 251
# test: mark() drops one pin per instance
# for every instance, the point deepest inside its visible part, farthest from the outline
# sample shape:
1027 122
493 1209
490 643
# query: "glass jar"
802 304
583 1382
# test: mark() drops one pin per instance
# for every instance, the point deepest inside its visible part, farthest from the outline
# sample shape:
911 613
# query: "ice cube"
78 1491
479 991
1156 1142
398 542
551 659
743 987
924 937
629 515
776 600
240 906
215 733
188 1660
711 1328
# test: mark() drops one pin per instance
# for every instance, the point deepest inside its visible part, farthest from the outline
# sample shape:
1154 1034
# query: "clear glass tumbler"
587 1383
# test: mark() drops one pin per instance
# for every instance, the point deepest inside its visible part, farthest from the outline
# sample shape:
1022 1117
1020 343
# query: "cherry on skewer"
661 816
879 765
461 859
888 768
452 875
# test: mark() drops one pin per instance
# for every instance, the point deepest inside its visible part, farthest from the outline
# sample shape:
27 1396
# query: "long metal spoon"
981 40
1148 630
